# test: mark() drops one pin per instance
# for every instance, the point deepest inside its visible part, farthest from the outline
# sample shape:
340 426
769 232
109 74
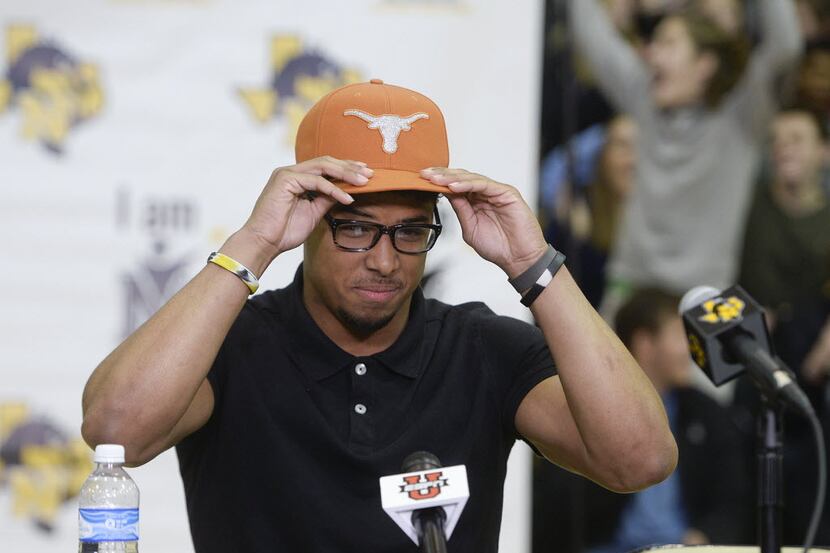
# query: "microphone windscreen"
420 460
695 297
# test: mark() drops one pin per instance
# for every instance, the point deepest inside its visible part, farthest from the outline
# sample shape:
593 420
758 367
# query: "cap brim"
388 180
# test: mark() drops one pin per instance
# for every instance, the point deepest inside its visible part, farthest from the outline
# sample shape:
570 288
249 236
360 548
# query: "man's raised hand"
495 219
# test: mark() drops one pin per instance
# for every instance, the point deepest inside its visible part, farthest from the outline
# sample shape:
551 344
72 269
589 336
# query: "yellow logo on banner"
42 467
54 91
720 310
298 79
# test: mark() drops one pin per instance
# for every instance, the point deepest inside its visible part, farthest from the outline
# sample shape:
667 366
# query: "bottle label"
108 524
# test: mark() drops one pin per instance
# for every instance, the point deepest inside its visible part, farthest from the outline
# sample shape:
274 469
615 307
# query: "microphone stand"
770 476
429 524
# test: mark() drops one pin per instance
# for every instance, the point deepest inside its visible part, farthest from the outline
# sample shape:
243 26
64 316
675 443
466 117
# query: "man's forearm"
143 388
618 414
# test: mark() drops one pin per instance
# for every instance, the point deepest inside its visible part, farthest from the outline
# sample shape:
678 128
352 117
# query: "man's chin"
364 324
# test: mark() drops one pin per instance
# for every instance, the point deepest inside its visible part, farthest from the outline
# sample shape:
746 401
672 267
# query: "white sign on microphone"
402 494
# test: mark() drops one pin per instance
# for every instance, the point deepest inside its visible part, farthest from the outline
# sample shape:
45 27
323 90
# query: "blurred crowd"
685 143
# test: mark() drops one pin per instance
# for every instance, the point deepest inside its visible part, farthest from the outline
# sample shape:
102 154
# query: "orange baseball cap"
396 131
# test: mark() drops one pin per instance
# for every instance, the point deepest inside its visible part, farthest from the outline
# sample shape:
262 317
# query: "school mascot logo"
424 486
299 78
41 466
53 90
723 310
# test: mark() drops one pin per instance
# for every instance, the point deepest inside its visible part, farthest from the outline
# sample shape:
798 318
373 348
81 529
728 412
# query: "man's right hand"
291 205
165 362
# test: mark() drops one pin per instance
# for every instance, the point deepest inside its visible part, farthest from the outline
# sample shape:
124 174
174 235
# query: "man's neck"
799 199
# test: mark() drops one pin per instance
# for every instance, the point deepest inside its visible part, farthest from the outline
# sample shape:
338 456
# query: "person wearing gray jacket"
702 104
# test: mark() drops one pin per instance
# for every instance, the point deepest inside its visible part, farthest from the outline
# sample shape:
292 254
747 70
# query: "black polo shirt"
301 430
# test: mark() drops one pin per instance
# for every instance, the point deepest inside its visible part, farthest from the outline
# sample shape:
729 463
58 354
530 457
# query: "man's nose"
383 258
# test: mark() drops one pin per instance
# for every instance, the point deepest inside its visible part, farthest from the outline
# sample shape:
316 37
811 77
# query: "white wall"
156 176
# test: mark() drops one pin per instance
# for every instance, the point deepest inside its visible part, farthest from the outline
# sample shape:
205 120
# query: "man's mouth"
377 292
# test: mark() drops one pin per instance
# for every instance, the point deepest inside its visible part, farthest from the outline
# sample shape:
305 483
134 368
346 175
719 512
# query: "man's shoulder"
474 315
477 310
260 314
438 309
269 300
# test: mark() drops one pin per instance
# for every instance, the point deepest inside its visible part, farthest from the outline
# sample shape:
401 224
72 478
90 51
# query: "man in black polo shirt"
286 408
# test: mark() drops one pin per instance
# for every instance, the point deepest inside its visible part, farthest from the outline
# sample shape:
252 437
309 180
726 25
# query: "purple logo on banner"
41 465
299 77
54 91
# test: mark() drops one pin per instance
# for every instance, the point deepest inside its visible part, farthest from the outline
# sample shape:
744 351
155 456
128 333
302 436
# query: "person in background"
728 14
586 218
573 105
813 81
814 16
706 500
786 250
702 105
566 171
786 266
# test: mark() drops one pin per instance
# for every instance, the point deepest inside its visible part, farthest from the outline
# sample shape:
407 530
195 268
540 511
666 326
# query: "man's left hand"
495 219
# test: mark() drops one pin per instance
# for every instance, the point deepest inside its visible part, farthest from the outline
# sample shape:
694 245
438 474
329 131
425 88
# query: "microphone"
426 500
728 336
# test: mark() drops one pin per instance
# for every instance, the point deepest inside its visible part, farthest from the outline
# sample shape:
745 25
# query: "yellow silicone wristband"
237 268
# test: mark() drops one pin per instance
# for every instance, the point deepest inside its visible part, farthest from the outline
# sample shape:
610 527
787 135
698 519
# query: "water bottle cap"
109 453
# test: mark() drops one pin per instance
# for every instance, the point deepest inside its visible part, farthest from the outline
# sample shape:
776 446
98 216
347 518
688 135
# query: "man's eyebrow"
417 219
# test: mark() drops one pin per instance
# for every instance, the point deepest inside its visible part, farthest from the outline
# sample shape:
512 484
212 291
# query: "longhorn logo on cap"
390 126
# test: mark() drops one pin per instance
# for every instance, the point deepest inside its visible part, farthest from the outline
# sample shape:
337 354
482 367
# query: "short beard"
360 326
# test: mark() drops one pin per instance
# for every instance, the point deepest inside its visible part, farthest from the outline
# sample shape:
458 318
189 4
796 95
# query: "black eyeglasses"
361 236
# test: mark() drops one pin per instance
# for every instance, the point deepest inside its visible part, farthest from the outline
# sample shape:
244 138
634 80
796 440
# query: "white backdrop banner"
135 136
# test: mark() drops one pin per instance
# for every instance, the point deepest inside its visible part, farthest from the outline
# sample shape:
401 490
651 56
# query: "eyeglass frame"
383 229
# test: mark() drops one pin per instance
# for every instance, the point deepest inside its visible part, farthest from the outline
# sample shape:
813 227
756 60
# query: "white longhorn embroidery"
390 126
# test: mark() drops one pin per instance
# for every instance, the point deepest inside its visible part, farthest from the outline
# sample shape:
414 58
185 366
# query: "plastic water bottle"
108 506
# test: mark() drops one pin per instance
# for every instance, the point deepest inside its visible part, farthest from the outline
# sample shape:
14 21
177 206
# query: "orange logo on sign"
424 486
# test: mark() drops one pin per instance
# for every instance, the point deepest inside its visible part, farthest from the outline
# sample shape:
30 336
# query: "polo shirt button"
360 409
360 369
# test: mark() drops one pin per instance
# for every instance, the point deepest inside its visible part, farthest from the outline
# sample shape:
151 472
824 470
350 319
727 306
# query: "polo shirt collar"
318 357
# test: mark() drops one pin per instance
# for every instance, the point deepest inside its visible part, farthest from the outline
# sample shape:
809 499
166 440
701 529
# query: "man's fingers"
477 185
325 187
461 181
310 185
320 165
353 172
461 206
461 186
445 175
